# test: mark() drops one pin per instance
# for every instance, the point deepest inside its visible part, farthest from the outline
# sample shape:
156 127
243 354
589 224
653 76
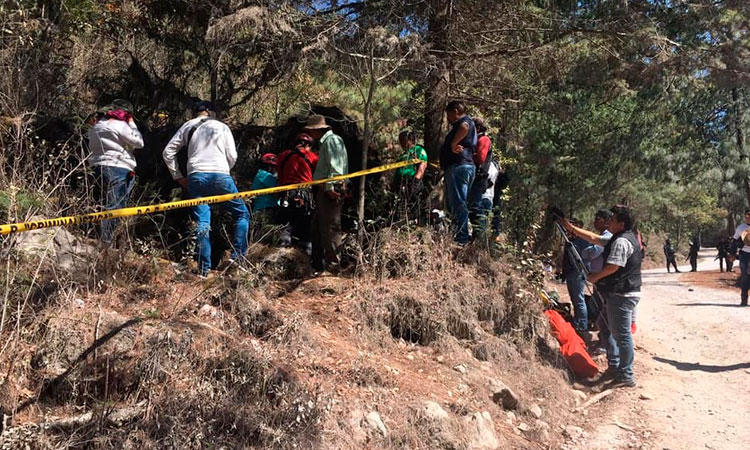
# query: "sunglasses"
304 143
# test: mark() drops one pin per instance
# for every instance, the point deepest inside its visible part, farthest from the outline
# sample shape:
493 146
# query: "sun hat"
316 122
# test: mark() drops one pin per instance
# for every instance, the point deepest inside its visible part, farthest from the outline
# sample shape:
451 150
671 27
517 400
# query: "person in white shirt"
112 140
211 155
481 209
741 238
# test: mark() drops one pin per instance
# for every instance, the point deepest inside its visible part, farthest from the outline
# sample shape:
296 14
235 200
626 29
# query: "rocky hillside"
421 346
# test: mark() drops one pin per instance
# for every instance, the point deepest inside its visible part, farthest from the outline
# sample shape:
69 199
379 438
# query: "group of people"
611 258
309 218
474 178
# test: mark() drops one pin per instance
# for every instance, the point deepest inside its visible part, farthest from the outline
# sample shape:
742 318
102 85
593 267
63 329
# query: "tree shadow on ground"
689 367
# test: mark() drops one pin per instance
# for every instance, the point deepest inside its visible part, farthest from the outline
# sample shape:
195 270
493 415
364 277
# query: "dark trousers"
730 263
326 231
296 225
721 264
744 276
672 262
693 263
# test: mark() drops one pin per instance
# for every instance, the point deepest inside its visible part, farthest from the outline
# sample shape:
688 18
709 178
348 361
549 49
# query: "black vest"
628 278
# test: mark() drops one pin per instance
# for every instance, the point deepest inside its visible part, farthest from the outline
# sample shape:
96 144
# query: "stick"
594 399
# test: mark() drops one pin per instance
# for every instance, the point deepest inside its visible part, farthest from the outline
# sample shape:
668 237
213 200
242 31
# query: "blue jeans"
479 214
576 290
744 275
204 184
115 185
620 347
458 180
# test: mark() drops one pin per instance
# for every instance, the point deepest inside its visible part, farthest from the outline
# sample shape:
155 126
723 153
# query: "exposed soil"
691 366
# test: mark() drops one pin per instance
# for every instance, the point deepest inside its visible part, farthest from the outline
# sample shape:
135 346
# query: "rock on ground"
481 432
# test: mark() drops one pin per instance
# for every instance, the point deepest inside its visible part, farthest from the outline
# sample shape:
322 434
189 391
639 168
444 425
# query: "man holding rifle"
619 283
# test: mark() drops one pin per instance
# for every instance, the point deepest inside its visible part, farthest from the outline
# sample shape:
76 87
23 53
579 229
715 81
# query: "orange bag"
572 346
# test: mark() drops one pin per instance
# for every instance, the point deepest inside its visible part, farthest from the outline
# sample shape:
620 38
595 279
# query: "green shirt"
416 152
333 160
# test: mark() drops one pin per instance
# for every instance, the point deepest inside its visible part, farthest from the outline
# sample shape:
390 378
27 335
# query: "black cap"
203 105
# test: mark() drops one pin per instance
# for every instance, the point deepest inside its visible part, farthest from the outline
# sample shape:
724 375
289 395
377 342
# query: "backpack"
482 176
296 151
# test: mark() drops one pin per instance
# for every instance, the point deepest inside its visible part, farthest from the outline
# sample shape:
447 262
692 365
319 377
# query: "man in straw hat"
742 238
326 223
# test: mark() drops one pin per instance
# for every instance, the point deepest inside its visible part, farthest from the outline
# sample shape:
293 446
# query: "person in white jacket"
211 155
112 140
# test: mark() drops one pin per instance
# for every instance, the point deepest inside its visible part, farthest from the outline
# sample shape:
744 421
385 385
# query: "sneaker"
622 384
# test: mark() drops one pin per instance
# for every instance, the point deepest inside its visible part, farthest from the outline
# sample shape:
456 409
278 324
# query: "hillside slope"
424 345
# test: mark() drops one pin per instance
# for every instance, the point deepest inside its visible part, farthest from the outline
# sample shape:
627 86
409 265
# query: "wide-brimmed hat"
745 236
316 122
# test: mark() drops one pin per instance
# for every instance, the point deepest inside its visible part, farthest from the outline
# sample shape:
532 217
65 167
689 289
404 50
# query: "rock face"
481 432
62 247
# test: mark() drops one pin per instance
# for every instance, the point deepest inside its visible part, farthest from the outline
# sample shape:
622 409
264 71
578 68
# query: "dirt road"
692 367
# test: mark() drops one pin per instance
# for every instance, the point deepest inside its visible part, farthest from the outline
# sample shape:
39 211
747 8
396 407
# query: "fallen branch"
594 399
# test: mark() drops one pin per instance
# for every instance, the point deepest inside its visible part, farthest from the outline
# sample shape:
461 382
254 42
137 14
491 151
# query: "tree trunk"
366 138
437 82
740 136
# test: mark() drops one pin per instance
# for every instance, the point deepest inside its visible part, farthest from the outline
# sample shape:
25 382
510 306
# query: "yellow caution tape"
151 209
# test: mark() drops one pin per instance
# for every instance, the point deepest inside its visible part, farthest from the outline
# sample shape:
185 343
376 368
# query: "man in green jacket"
329 197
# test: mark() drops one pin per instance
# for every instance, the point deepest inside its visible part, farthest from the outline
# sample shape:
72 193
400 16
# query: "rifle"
578 262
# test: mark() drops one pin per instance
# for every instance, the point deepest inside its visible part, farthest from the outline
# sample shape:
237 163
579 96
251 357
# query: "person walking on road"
620 284
669 254
211 155
742 238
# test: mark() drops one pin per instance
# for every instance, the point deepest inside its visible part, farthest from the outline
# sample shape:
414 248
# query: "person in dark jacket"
620 284
457 160
695 246
722 249
669 254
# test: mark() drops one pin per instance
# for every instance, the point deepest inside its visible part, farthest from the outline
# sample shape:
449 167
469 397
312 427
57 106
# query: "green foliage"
22 202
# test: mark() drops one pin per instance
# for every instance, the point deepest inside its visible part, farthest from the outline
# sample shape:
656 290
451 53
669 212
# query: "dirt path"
692 366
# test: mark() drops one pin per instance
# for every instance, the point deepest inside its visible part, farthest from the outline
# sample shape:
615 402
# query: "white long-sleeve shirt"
112 142
211 147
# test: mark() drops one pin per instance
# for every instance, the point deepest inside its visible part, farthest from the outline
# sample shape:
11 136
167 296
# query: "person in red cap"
296 207
265 205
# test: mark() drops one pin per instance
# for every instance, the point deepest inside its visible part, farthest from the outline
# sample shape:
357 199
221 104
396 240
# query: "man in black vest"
619 283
